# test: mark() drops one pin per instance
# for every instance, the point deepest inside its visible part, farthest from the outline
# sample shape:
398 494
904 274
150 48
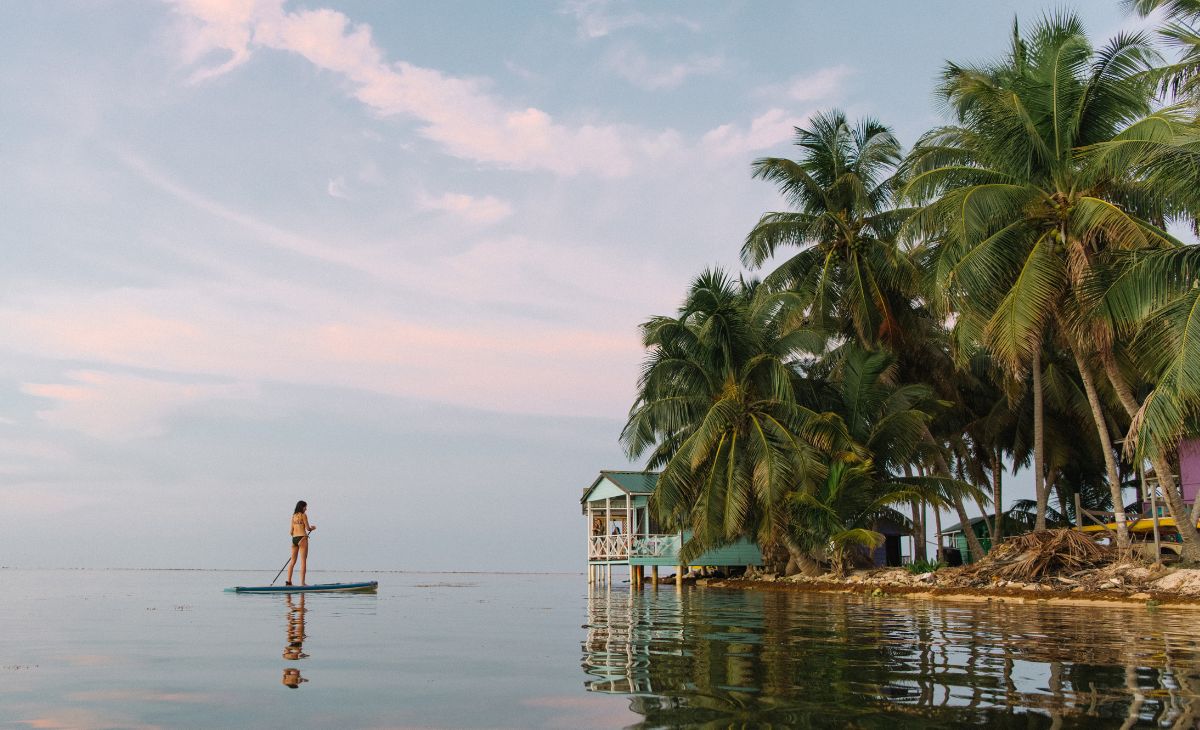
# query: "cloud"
821 85
599 18
458 113
221 28
530 265
115 407
635 67
230 342
27 449
38 500
337 188
488 209
766 130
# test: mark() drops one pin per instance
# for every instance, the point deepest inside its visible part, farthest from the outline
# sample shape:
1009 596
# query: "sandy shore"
900 584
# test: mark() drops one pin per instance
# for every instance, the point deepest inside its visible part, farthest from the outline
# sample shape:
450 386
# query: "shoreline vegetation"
1055 566
1010 293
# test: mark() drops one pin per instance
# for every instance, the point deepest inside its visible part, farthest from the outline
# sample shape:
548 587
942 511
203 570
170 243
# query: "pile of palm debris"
1038 555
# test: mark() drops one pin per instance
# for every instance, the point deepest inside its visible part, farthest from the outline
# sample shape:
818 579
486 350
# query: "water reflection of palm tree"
294 651
700 657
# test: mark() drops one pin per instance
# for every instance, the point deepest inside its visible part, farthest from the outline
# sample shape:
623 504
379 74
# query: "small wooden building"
957 538
622 531
889 553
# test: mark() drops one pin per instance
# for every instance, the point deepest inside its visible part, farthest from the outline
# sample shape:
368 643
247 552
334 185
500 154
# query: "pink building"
1189 469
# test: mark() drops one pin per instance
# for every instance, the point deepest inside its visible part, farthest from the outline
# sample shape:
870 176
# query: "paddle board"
368 586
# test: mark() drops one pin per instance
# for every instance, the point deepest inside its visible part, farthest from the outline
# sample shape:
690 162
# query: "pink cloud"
109 406
528 366
38 500
485 209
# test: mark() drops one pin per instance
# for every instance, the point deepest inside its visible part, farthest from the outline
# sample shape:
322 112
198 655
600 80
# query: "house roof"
957 527
630 482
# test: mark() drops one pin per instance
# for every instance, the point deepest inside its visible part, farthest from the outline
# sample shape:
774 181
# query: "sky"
388 258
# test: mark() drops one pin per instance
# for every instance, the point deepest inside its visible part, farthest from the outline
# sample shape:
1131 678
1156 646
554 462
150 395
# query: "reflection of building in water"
294 650
620 631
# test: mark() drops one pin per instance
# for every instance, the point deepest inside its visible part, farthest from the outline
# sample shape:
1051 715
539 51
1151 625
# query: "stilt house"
622 531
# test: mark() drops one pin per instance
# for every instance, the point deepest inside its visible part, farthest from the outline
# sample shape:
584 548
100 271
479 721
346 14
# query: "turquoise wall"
742 552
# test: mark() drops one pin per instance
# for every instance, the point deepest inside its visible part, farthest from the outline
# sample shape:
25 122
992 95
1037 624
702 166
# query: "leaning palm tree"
1056 157
850 276
717 412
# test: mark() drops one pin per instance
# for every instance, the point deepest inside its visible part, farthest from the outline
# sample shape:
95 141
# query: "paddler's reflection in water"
294 651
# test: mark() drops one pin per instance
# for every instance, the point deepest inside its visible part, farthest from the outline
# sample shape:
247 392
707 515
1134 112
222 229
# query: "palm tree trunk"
976 547
1185 522
937 525
1039 444
918 511
997 475
918 531
1110 463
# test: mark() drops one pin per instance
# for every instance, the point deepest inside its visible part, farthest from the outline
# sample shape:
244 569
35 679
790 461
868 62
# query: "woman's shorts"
296 539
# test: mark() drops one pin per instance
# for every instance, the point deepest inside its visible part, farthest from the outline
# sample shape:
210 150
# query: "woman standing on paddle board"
300 530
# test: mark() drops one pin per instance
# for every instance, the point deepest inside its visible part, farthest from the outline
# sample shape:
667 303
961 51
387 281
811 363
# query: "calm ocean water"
145 649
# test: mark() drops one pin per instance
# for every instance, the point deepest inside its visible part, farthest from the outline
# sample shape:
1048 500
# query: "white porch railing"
609 547
622 547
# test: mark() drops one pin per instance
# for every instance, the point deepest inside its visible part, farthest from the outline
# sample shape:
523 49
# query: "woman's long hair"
300 507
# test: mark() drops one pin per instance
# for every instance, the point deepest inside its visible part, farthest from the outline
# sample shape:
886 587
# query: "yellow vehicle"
1141 534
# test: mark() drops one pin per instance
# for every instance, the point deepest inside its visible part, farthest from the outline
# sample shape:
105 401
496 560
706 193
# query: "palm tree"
1181 31
835 519
849 274
1025 195
850 279
1154 305
717 412
834 516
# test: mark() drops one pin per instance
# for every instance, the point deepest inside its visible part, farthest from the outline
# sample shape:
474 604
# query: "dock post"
654 576
635 582
608 577
679 576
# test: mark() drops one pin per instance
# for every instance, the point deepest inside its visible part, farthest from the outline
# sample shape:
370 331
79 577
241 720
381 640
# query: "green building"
953 537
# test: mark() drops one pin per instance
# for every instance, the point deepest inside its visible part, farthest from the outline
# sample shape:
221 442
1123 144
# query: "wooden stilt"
679 576
608 577
654 576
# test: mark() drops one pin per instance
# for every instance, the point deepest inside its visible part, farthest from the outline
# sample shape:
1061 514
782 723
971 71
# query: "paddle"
285 564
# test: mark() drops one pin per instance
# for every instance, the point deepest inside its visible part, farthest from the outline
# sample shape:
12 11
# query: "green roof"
631 482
